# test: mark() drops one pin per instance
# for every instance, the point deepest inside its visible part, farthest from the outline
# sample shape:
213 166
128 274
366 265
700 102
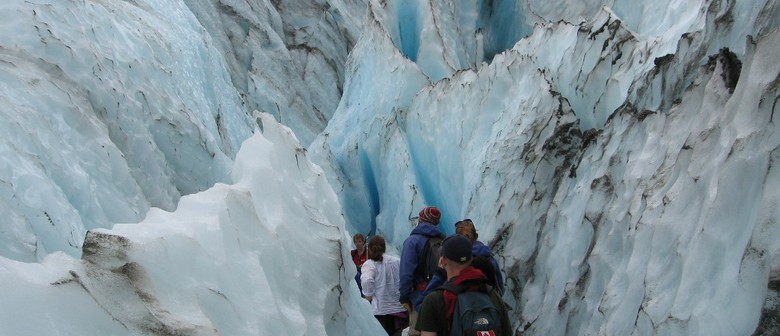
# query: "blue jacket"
478 249
411 253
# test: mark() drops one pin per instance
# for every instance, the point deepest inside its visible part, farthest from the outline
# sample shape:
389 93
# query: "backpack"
429 260
475 313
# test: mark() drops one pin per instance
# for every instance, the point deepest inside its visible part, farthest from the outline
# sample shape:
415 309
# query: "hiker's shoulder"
427 230
434 299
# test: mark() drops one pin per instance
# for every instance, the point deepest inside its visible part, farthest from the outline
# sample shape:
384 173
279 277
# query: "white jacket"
380 280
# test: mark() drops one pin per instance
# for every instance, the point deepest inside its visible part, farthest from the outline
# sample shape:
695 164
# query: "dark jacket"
411 253
481 250
478 249
437 308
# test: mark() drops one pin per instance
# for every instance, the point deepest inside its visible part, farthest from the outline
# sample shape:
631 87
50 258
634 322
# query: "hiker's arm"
406 274
367 278
499 276
427 318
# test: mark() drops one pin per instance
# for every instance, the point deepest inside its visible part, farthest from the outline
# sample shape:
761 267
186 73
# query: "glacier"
197 167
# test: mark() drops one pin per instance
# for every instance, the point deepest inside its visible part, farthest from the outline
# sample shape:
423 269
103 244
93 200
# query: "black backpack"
429 260
475 313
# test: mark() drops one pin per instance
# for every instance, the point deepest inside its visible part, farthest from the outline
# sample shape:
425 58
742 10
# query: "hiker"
380 285
479 262
483 260
414 277
478 249
359 256
442 310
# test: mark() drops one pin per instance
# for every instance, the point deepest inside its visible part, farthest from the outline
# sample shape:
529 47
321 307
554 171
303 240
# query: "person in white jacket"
380 280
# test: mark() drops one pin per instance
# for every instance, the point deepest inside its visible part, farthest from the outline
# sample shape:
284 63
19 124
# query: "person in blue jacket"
478 249
412 282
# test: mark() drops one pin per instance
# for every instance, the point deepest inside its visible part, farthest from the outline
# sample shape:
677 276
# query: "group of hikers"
439 286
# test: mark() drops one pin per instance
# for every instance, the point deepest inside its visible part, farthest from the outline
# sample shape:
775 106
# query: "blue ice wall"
369 180
408 28
502 25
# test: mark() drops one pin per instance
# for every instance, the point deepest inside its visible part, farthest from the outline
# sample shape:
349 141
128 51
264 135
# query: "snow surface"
619 157
233 260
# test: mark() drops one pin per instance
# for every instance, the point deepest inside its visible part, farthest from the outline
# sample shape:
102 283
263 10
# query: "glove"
407 306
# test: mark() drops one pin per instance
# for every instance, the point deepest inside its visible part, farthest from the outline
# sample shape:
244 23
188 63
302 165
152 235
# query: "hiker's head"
483 264
430 215
359 240
456 249
466 228
376 247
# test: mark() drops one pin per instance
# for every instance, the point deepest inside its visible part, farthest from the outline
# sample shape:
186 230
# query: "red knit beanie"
430 214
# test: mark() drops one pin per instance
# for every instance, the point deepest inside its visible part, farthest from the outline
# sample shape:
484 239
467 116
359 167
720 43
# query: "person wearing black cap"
436 313
478 249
